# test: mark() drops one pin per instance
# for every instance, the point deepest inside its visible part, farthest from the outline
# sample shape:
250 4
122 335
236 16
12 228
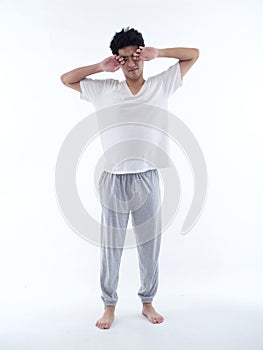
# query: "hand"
112 63
145 53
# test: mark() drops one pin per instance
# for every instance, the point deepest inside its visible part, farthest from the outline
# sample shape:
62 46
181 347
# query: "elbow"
196 53
63 79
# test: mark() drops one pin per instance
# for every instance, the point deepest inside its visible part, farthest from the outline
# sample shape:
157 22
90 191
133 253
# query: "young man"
129 54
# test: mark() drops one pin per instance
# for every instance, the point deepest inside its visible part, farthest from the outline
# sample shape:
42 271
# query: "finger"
119 59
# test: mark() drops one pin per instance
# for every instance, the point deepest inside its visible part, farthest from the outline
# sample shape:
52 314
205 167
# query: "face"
132 69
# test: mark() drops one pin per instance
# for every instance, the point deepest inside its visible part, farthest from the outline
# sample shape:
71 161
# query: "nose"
131 62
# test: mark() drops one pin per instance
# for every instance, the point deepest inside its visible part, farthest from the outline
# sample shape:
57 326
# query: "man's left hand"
145 53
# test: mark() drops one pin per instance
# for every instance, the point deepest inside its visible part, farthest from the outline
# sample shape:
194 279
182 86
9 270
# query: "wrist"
159 53
100 67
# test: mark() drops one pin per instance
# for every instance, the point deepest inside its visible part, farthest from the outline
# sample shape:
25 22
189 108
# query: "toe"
106 325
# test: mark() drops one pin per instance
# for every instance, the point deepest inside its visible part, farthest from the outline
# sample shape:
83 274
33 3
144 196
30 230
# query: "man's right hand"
112 63
109 64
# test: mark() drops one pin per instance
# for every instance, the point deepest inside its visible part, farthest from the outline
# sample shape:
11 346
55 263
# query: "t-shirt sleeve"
170 79
94 88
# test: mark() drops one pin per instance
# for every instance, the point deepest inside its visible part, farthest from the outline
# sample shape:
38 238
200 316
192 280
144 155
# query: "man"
129 54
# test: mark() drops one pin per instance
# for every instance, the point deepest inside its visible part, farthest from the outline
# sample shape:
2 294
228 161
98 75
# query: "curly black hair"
126 37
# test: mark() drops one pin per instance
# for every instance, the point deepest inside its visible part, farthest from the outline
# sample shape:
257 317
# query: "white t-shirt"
156 90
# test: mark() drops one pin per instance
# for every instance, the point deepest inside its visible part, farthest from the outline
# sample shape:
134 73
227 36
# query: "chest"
151 93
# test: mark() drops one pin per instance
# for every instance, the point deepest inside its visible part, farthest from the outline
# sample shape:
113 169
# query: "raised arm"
73 77
186 56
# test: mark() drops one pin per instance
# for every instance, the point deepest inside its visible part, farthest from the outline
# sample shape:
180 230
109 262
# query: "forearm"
182 53
78 74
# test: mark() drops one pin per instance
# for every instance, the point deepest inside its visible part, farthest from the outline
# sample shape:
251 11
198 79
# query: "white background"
210 287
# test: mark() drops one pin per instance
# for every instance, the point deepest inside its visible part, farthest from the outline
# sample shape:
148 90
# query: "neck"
135 83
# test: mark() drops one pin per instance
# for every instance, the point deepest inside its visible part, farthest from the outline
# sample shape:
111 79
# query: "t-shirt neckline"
138 93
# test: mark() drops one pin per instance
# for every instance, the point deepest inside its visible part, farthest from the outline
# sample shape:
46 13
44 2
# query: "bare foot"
149 312
107 318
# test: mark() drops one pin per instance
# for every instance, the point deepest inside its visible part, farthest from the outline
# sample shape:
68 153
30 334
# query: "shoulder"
173 69
103 83
169 80
93 88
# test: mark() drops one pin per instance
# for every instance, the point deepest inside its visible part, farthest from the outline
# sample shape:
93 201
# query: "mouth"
132 70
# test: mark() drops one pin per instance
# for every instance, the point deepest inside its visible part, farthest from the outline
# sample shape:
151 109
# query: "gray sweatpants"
125 193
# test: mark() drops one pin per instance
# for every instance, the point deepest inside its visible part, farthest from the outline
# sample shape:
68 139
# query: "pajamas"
120 194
